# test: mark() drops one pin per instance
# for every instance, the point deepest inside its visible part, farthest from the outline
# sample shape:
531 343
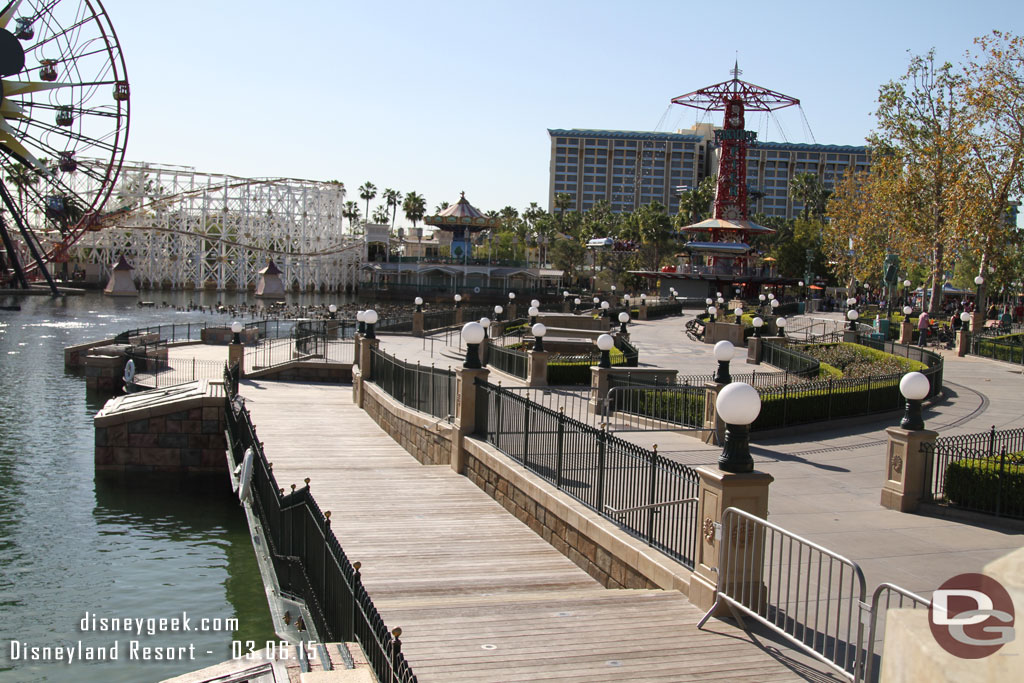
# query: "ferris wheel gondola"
64 95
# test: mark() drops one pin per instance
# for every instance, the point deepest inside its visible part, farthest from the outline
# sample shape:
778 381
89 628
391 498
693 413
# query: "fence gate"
813 597
647 408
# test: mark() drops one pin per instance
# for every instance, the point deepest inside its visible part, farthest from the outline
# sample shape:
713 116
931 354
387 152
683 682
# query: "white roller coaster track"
184 229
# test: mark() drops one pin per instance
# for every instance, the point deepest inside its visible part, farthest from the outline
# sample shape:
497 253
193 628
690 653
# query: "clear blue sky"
440 97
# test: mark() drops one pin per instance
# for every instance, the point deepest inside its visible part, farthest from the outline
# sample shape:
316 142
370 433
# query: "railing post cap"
396 632
307 481
356 565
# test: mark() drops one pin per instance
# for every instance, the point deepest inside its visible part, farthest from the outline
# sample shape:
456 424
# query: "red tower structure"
735 98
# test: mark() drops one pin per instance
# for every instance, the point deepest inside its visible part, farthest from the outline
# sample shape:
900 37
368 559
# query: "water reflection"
70 544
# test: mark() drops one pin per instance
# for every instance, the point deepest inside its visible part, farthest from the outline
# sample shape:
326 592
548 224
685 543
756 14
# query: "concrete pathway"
828 478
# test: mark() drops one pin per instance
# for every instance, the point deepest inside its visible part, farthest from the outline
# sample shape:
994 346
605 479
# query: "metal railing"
789 359
509 361
272 352
663 310
642 407
159 373
429 390
981 472
813 597
438 320
630 354
802 591
166 333
634 486
791 404
308 559
876 630
1009 349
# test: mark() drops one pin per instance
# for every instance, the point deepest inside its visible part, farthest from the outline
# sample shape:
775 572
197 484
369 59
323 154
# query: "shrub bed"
679 407
974 484
853 360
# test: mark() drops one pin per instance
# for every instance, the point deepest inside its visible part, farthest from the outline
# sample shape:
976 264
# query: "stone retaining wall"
187 439
426 438
306 371
593 543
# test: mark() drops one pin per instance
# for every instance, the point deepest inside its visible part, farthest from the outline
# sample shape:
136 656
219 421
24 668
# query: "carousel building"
455 259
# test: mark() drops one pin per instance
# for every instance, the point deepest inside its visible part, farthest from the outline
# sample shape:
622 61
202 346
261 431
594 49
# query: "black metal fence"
630 354
663 310
507 360
981 472
438 320
271 352
792 404
429 390
789 359
1004 348
308 559
158 373
166 333
650 496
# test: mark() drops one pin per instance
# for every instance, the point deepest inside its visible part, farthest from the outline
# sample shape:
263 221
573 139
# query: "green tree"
806 189
415 207
563 201
569 256
994 91
910 200
367 191
381 215
651 227
392 198
351 212
696 204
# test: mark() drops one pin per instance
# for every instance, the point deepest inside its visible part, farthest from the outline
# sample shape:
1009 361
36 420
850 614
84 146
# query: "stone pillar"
714 427
417 323
497 329
364 356
332 328
236 354
465 412
598 388
458 316
511 311
906 333
357 342
720 490
906 468
537 368
754 351
484 345
566 306
850 336
963 343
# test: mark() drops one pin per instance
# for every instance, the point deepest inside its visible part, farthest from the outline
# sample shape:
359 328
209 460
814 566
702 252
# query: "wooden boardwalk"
479 596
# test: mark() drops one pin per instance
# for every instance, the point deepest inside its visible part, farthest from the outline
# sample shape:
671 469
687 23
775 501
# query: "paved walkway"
479 596
828 479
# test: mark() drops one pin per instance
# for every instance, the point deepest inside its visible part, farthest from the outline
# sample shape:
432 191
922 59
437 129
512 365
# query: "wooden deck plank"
450 566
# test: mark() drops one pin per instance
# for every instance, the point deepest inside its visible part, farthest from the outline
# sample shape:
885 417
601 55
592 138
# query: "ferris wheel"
64 95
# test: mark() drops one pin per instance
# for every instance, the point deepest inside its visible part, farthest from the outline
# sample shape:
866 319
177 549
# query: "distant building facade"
633 168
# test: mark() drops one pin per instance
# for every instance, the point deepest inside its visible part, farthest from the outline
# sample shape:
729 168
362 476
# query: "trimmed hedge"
679 407
826 400
974 484
571 372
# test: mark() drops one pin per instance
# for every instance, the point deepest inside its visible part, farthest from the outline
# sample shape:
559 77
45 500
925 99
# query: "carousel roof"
712 224
462 215
717 247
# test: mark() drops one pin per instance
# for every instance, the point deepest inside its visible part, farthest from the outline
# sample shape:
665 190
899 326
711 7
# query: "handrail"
616 512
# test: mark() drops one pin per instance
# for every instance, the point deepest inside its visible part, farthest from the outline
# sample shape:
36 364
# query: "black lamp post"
737 405
370 318
539 330
419 304
458 300
236 329
758 323
605 344
623 319
915 387
724 351
473 334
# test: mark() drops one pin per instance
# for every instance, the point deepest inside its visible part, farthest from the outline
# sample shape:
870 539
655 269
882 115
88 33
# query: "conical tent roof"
462 214
122 264
271 269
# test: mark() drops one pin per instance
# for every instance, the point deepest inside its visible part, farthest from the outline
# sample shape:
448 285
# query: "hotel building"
633 168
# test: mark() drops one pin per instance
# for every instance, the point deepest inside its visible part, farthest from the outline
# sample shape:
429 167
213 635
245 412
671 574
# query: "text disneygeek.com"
139 648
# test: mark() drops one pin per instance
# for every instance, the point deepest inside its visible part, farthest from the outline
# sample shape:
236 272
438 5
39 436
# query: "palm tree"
807 189
381 215
563 201
367 191
392 199
441 207
351 212
414 206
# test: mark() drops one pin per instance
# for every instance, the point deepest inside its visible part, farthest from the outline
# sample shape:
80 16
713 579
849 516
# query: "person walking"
922 329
